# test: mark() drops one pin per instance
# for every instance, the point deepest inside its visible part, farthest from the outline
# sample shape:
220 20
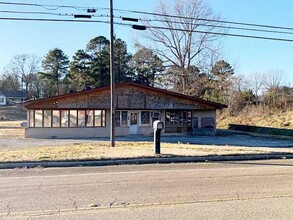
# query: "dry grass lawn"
101 150
11 129
278 120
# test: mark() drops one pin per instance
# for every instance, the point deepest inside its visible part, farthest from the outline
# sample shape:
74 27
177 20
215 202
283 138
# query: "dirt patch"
12 113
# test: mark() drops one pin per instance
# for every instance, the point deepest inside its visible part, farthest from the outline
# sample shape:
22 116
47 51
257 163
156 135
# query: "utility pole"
112 78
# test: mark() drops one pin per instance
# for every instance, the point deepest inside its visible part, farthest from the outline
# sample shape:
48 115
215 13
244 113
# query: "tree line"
182 56
56 74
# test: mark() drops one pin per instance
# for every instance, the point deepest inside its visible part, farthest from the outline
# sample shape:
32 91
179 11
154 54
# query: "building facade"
87 113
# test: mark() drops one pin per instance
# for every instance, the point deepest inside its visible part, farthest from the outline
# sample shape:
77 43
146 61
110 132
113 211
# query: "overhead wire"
204 19
55 7
152 20
154 27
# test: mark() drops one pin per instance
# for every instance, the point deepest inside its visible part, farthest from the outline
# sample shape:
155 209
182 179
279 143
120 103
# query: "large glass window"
64 118
89 118
99 118
81 118
117 118
178 118
39 118
207 122
56 118
68 118
155 116
124 118
47 118
31 118
145 118
73 118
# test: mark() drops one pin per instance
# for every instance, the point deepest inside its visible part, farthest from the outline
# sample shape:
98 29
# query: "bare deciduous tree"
185 38
256 82
24 66
274 79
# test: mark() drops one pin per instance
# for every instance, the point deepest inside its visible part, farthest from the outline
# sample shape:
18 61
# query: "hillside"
277 120
12 113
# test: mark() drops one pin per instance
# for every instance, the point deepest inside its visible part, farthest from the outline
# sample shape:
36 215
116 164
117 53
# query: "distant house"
12 98
3 99
87 113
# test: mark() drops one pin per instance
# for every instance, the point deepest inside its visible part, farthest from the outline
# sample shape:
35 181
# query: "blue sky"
249 55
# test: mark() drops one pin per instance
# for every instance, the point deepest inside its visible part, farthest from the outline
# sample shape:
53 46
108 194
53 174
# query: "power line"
204 19
58 20
47 7
150 20
38 13
225 34
148 27
56 7
218 26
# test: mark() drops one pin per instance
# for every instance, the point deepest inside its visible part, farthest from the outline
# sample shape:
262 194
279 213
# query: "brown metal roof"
163 91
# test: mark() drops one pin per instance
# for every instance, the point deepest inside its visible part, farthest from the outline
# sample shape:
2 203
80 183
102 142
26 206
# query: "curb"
136 161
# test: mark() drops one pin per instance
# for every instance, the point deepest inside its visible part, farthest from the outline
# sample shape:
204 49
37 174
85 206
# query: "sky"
250 56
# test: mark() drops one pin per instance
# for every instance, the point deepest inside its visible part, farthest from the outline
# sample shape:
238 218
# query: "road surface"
230 190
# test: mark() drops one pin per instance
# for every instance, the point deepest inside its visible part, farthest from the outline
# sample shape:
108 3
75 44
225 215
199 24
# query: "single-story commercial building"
87 113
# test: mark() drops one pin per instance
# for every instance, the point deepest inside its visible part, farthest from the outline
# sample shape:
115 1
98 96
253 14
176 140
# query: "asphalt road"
230 190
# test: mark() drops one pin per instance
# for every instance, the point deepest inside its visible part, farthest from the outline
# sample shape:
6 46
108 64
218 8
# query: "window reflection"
67 118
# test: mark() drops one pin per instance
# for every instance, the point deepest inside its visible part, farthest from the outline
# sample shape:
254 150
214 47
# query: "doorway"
133 122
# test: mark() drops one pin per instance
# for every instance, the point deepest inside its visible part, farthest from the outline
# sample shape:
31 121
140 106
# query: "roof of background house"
16 94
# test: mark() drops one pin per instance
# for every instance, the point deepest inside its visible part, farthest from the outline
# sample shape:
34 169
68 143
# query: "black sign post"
158 127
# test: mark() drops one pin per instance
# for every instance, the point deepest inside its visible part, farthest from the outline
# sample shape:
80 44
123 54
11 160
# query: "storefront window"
124 118
155 116
38 118
81 118
31 118
47 118
56 118
145 118
89 118
67 118
73 118
64 118
99 118
117 118
178 118
207 122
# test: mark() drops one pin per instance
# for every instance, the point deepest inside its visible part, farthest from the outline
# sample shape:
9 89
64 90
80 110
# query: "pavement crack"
9 209
74 205
112 203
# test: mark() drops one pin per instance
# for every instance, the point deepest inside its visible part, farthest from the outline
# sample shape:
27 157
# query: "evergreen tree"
55 67
80 69
146 65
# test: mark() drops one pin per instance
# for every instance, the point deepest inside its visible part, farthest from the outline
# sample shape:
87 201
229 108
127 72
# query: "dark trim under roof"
164 91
